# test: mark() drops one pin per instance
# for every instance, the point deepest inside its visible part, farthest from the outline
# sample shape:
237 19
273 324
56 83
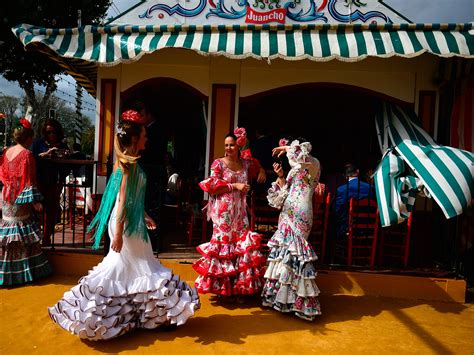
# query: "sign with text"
258 17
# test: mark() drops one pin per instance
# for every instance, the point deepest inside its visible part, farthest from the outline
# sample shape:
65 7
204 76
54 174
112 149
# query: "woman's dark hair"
22 134
231 135
57 128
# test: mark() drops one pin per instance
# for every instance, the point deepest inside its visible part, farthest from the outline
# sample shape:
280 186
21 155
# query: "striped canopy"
79 50
446 173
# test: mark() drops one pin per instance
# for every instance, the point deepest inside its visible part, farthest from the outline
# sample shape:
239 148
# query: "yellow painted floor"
348 325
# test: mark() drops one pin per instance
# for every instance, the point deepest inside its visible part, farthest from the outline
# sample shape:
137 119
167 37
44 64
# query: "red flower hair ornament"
24 123
132 116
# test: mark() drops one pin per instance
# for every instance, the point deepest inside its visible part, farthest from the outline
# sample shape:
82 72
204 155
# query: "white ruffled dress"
127 290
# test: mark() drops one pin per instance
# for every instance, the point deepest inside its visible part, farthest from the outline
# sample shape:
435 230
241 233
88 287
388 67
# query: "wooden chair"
263 218
318 235
395 243
359 245
197 224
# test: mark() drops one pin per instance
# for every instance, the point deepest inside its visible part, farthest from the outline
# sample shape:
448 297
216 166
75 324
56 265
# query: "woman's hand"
262 176
150 223
37 206
117 243
279 151
48 152
242 187
277 168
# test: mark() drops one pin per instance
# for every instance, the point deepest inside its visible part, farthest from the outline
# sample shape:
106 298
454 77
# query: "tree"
8 106
30 68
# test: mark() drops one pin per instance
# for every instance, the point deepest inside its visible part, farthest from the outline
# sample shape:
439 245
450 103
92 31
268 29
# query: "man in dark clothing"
152 163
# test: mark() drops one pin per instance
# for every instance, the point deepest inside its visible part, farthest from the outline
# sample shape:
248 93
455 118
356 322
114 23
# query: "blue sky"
415 10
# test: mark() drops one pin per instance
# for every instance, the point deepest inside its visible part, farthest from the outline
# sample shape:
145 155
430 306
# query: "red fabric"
17 174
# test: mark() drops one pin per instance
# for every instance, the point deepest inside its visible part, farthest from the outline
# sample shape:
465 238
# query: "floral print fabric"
232 263
290 277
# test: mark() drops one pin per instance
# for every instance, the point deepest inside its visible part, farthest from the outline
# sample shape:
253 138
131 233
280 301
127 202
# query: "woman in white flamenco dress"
130 288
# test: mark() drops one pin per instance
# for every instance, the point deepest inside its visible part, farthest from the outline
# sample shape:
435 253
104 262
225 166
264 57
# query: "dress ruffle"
230 268
290 276
29 194
25 231
99 309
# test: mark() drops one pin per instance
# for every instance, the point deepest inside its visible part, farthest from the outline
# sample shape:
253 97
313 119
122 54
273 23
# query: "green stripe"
308 47
436 189
342 43
256 43
361 45
63 48
138 43
123 46
430 38
172 39
451 42
206 41
239 42
290 44
188 41
325 49
222 43
414 41
273 41
109 54
96 39
379 47
396 42
81 45
154 41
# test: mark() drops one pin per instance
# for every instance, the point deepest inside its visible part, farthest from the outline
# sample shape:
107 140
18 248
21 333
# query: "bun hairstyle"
127 129
22 131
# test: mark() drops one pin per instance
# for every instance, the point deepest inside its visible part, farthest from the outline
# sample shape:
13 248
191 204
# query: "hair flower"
25 123
120 131
283 142
132 116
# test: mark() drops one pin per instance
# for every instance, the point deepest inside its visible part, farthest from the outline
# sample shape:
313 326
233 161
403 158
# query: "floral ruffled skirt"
21 257
290 284
231 265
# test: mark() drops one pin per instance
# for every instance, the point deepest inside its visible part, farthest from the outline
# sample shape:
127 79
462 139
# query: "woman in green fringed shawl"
129 288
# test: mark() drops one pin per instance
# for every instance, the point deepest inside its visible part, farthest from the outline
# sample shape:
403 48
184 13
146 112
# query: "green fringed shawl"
134 210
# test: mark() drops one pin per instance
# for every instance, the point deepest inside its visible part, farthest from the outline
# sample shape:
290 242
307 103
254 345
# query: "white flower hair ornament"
120 132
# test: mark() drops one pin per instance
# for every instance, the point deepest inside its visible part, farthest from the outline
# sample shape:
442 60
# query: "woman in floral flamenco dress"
290 277
21 257
231 263
130 288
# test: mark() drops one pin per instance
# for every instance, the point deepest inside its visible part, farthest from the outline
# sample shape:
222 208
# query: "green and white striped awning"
79 50
446 173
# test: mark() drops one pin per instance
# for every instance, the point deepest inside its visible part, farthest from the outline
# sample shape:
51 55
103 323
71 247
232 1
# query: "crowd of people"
130 288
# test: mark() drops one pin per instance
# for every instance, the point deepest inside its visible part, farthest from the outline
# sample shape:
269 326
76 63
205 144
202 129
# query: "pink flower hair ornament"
241 135
283 142
132 116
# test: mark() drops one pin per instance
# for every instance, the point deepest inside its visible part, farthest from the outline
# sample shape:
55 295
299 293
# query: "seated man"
353 188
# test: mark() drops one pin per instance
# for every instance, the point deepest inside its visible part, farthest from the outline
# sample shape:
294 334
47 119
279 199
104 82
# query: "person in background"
50 176
152 162
353 188
21 258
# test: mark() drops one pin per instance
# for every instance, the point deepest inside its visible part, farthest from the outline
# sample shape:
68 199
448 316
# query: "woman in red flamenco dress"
231 263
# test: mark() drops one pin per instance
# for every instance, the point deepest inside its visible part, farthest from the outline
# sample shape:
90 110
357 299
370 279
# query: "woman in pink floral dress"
231 262
290 277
